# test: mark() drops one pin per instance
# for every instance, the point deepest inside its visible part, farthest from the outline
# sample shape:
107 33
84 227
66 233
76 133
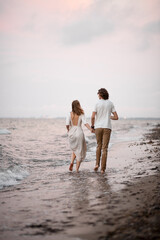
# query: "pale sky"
53 52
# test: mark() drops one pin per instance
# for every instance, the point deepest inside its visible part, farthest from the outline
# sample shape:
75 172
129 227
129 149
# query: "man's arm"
93 118
115 116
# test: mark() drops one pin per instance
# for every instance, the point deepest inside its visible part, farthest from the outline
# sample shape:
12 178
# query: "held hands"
92 129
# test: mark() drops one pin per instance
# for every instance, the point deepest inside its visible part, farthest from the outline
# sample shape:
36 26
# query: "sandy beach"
122 204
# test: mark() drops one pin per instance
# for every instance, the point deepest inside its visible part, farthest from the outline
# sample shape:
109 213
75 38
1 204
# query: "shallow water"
41 199
31 146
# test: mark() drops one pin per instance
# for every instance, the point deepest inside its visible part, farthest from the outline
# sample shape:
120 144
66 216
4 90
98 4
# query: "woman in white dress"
75 134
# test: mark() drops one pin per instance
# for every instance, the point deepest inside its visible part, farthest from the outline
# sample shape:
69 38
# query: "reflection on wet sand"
88 189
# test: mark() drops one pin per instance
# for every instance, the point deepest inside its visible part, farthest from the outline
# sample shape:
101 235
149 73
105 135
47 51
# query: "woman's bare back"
74 118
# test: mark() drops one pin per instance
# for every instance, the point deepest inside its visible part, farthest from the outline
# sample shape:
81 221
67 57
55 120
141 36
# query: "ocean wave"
12 176
4 131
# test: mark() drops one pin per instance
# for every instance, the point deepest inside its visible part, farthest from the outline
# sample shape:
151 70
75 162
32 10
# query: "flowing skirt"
77 142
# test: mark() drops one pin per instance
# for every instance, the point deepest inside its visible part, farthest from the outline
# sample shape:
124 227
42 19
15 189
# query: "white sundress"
76 137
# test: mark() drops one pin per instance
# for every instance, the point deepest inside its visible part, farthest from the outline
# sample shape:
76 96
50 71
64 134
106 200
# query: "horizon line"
63 117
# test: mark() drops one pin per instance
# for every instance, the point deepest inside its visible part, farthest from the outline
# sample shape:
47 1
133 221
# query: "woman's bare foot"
71 167
96 168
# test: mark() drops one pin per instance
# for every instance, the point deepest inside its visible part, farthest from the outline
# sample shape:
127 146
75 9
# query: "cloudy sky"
53 52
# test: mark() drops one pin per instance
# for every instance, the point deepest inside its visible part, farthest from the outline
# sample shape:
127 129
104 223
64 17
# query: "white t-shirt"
103 110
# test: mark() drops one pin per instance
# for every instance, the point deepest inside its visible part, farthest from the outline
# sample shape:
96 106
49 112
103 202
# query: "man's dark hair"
103 93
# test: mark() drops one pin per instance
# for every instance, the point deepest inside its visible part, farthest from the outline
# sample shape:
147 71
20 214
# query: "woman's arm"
88 126
68 121
67 126
115 116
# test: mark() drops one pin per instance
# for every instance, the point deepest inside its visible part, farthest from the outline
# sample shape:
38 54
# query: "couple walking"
102 115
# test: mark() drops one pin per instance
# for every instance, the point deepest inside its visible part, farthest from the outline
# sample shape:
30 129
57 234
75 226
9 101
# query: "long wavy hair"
76 108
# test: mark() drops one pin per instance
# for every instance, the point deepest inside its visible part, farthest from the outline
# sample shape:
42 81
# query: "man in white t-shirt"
103 112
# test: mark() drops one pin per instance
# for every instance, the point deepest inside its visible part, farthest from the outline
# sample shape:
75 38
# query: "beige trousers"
103 137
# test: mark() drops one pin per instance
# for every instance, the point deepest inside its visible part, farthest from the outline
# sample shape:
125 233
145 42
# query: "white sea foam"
4 131
87 139
12 176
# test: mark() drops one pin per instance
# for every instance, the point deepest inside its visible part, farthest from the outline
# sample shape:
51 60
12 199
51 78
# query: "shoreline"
122 204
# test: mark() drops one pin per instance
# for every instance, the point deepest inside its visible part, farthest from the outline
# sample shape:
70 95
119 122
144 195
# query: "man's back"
103 110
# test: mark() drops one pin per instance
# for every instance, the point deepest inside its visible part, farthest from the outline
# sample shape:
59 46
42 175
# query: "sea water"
27 145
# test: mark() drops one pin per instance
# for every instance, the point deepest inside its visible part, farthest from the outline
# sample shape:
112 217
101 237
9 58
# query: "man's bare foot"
71 167
102 171
96 168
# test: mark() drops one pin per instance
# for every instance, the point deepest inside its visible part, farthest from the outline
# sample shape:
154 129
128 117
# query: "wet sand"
123 203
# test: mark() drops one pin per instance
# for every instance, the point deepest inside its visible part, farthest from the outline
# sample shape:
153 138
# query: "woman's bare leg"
73 156
78 163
